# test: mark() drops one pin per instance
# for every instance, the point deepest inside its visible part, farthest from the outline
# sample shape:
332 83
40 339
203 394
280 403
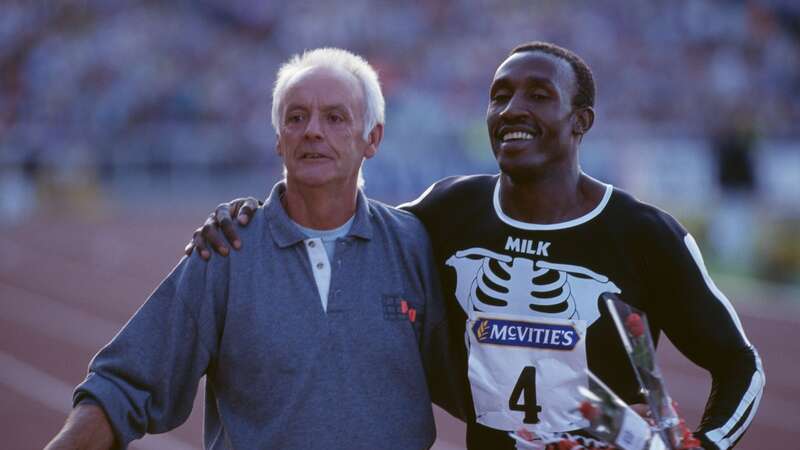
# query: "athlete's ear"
278 145
582 120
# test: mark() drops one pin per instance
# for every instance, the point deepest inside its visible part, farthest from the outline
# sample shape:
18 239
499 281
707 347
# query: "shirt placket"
320 268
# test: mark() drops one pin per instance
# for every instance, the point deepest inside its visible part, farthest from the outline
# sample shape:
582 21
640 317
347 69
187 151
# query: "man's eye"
335 118
539 95
294 118
500 97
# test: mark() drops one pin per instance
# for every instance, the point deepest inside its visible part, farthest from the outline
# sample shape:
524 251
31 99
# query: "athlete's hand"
208 235
643 410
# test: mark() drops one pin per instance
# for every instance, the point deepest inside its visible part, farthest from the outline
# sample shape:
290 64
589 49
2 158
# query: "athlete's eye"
539 94
500 97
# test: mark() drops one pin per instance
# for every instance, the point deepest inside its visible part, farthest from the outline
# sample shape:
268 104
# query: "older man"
534 247
311 337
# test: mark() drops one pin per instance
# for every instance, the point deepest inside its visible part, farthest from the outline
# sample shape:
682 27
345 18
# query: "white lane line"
56 395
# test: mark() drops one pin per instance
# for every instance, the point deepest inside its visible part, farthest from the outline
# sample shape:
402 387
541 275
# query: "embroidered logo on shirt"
398 308
525 334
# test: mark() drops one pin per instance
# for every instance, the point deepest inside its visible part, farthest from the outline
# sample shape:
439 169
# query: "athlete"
525 256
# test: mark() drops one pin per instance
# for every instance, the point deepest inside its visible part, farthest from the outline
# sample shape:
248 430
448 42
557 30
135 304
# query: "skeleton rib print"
493 282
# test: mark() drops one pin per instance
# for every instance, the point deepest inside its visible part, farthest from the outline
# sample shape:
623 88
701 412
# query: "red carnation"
588 411
688 441
565 444
635 324
525 434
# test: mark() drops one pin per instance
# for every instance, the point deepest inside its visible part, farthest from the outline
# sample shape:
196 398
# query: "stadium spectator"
733 226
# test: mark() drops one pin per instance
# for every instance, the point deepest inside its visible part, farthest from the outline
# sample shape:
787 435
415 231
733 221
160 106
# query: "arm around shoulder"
86 428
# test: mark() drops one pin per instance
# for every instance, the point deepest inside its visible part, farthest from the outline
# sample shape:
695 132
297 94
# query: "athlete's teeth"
517 135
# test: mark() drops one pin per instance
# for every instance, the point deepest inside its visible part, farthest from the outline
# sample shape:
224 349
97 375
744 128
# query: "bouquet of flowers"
613 421
634 331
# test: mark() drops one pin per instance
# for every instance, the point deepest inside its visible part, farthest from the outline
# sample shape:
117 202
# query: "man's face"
530 114
321 140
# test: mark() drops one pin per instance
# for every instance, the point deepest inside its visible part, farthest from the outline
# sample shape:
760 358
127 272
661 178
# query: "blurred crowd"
188 82
91 86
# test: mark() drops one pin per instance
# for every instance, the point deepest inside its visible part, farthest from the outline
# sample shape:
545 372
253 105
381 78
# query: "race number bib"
524 372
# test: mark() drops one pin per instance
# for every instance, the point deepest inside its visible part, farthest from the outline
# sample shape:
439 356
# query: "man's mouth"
313 156
511 133
517 136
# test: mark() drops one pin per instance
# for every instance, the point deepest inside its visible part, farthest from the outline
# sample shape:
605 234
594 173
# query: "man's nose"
313 128
514 109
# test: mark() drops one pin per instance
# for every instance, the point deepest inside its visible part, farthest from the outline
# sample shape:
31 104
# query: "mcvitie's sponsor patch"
525 334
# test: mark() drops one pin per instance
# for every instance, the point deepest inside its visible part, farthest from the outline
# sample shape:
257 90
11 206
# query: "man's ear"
582 121
374 140
278 145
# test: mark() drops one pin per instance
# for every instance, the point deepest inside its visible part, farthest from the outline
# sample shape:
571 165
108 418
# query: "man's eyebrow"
498 84
331 107
294 106
531 79
539 80
335 106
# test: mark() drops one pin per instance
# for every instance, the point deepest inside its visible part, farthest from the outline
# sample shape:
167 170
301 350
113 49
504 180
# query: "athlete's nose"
514 109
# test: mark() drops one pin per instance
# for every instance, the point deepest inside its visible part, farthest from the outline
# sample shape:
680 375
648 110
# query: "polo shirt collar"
285 234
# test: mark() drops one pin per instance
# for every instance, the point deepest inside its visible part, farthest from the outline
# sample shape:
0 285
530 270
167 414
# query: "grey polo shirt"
280 372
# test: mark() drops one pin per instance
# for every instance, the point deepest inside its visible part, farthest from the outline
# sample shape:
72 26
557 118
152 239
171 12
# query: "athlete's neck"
550 200
320 208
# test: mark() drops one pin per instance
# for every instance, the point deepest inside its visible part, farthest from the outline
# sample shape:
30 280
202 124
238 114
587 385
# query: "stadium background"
123 123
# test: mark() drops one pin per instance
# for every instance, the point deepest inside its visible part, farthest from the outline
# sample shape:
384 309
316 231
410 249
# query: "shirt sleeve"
435 345
702 323
146 378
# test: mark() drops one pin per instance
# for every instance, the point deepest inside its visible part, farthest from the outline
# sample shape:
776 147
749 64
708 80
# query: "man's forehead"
535 64
335 84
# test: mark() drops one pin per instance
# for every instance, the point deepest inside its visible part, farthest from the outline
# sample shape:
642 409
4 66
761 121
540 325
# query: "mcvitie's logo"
525 334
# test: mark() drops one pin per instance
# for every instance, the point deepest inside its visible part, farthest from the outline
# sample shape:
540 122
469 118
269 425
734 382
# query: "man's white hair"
334 58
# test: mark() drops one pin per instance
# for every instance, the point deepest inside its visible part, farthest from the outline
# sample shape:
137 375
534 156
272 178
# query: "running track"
66 288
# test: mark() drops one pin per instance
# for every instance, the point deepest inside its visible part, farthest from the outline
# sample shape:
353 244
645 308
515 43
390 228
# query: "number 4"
526 390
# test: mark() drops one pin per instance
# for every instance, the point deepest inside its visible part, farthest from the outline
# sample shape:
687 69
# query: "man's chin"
317 180
313 180
519 171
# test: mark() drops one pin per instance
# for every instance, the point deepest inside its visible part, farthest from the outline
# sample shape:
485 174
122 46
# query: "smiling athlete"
525 255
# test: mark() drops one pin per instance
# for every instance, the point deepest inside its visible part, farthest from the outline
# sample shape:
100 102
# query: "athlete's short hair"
584 80
334 58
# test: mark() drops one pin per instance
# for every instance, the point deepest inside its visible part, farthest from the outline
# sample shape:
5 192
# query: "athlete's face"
322 118
530 115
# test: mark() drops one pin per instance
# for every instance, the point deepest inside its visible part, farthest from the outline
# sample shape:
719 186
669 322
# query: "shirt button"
320 265
312 244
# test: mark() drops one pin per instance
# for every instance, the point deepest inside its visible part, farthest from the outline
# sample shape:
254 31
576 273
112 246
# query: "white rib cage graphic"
517 285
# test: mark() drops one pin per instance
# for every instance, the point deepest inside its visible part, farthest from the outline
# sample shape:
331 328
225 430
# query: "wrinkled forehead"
536 65
324 86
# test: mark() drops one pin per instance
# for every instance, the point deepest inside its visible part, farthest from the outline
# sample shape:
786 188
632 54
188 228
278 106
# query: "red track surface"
65 289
